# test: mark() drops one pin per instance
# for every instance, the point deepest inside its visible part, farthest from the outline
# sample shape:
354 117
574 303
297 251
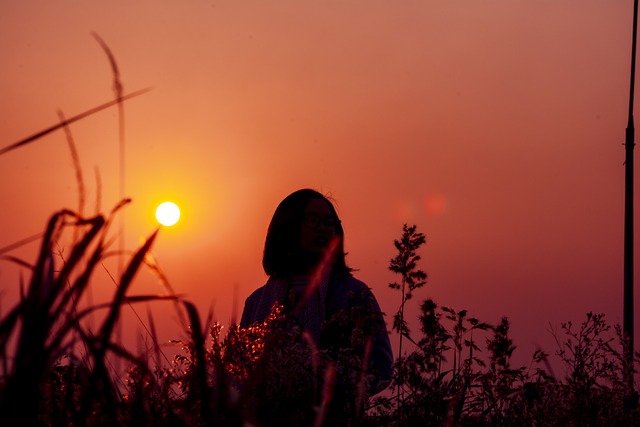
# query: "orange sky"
496 126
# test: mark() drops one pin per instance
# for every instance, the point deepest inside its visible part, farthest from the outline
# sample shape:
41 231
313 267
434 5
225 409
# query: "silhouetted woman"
324 307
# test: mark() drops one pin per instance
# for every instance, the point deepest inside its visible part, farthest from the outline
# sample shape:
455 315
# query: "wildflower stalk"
412 278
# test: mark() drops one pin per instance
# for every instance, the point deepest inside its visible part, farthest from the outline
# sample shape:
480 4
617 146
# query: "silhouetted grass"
46 323
460 371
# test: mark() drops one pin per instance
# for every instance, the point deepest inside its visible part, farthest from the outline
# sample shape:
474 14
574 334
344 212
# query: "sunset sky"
495 126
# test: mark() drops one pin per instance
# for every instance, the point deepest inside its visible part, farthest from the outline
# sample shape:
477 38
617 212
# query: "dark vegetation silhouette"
458 371
406 265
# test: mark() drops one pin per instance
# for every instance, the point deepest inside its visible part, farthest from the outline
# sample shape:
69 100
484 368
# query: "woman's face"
318 227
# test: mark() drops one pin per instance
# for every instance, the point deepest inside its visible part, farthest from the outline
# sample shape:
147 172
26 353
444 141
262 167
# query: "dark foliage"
459 370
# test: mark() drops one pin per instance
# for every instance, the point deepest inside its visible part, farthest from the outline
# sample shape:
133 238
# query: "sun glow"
168 213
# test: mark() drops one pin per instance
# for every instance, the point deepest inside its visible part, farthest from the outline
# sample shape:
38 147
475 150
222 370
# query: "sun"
168 213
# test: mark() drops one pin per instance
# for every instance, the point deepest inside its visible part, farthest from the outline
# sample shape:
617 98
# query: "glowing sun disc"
168 213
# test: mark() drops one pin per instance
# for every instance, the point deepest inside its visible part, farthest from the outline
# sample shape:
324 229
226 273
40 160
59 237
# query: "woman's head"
299 234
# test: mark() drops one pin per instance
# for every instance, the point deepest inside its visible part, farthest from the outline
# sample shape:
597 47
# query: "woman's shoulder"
349 288
250 306
349 282
255 295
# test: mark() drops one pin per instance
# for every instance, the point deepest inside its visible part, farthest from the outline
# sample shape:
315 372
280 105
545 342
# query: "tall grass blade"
20 394
327 395
125 282
200 388
73 119
20 243
77 253
102 386
76 165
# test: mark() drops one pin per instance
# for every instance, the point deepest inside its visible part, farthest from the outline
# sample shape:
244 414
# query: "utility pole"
628 216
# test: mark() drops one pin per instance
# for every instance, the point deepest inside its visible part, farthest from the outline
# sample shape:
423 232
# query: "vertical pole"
628 316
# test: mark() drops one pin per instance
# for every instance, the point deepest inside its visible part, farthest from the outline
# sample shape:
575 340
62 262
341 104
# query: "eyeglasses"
313 221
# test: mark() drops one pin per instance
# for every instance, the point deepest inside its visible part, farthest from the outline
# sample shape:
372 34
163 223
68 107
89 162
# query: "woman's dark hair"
281 256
